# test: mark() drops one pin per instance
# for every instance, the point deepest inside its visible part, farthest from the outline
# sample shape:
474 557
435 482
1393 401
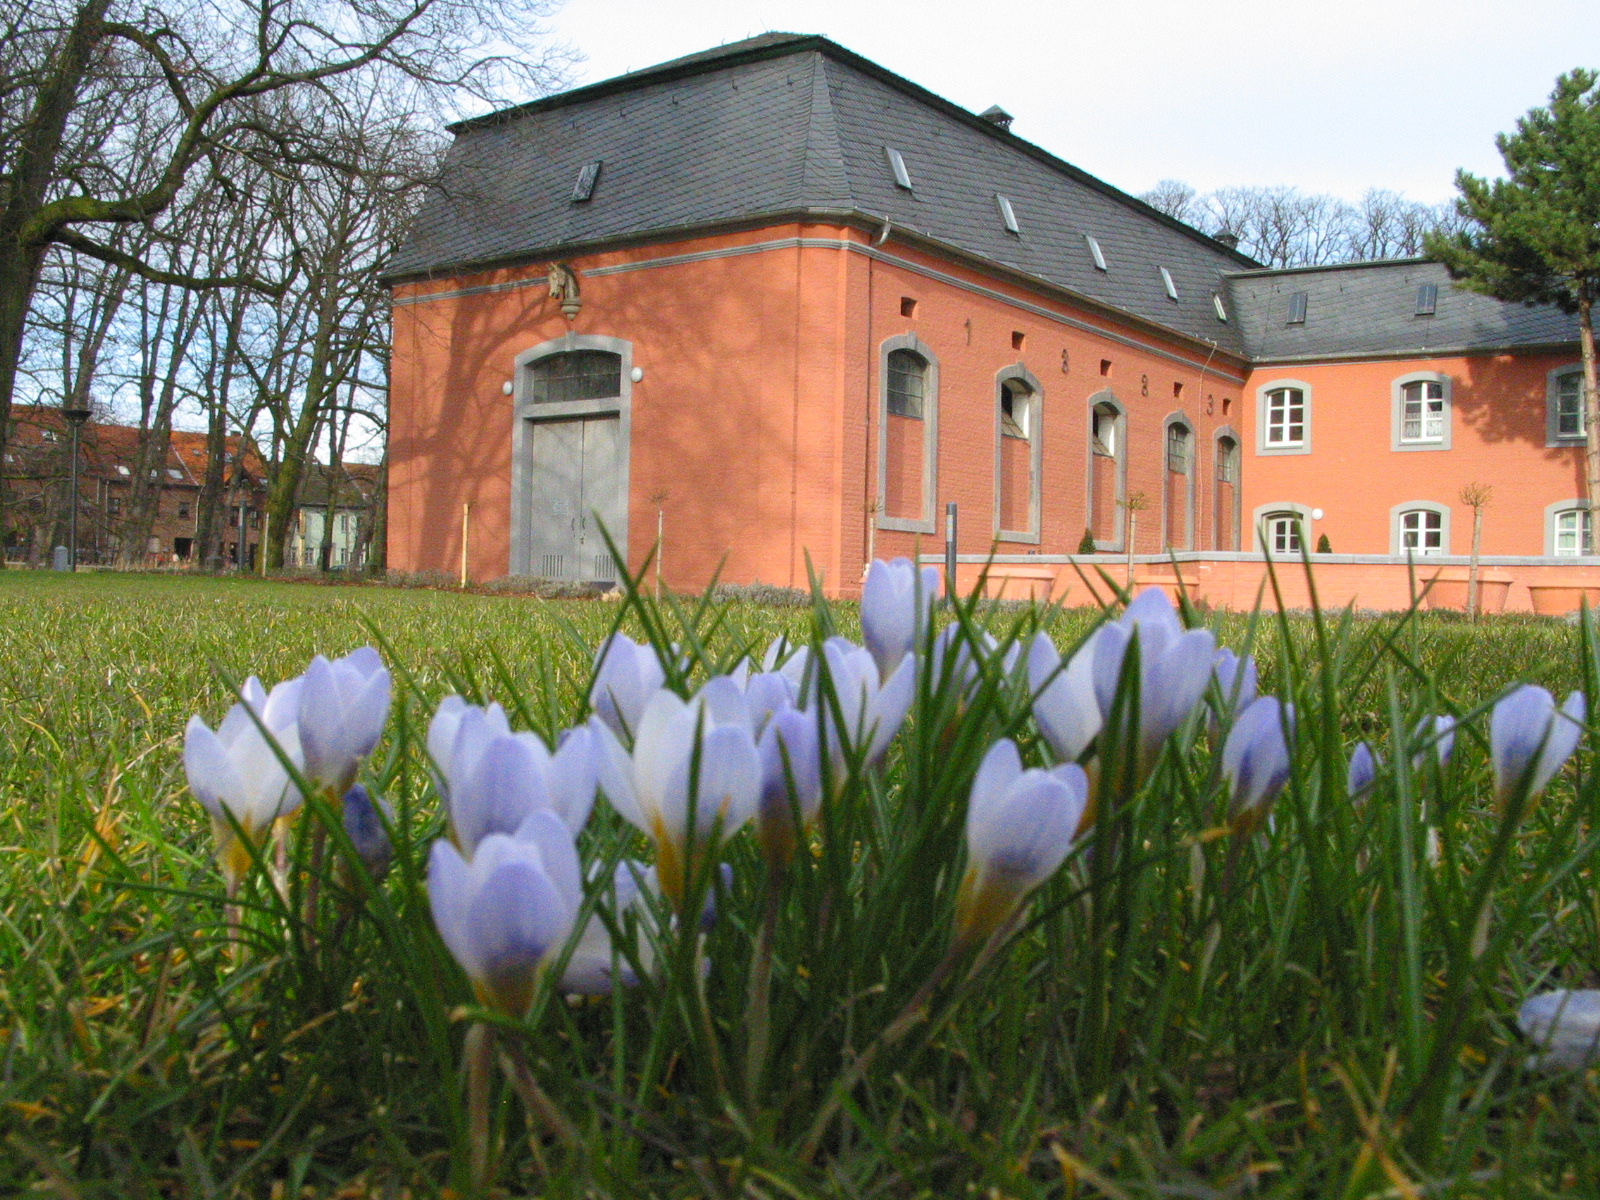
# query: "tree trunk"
285 490
376 552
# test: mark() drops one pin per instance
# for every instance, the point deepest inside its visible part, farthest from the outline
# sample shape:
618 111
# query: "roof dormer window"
1008 215
1094 252
1427 299
1220 307
1297 308
1166 282
897 165
588 176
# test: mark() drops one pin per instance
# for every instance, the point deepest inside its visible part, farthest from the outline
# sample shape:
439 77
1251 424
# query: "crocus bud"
364 826
1236 680
1064 703
344 704
236 771
1364 764
1564 1027
626 676
1436 732
504 913
1255 759
895 601
1529 739
1020 827
791 781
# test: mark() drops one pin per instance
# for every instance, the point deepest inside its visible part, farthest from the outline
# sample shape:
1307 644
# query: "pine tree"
1535 235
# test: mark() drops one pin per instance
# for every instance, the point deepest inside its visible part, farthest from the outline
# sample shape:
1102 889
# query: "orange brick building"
787 306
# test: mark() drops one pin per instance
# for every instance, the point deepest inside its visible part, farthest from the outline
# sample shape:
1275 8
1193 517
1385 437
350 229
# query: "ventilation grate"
605 567
551 566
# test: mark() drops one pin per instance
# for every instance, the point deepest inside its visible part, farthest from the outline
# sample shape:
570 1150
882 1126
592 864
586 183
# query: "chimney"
996 115
1228 238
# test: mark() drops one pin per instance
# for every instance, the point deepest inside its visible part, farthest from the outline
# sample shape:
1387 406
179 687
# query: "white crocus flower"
658 788
235 771
1564 1026
505 912
492 779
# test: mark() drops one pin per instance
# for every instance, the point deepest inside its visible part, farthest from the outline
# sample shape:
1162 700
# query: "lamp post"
75 418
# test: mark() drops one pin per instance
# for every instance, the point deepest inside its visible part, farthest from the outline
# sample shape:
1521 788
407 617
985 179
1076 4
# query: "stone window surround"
1225 431
928 522
1261 512
1018 372
1304 445
1396 530
1552 390
1178 417
1551 512
1106 398
1397 412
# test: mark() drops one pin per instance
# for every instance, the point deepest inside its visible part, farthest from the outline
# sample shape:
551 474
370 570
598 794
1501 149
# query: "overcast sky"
1326 95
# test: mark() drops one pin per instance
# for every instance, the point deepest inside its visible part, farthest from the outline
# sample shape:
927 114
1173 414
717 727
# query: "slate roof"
1369 310
786 124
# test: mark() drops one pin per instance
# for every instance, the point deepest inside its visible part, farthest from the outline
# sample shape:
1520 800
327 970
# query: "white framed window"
1567 418
1283 533
1569 529
1283 529
1177 485
1421 412
1422 531
1418 528
1286 417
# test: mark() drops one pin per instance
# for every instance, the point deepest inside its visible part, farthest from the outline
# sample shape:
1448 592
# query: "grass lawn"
1307 1010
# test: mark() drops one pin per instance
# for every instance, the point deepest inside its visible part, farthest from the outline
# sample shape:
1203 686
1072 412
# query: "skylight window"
897 164
174 473
1297 308
588 176
1094 252
1427 299
1222 309
122 470
1166 280
1008 215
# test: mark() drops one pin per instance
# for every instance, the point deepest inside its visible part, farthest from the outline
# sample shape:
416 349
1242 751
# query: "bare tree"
75 73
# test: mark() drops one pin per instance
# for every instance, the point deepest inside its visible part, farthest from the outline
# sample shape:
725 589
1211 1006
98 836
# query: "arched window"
1283 532
1421 418
1177 484
1018 414
1225 506
1107 470
575 375
1569 529
908 437
1419 528
908 383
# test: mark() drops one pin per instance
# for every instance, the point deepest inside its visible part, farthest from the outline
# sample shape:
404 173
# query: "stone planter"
1554 599
1447 591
